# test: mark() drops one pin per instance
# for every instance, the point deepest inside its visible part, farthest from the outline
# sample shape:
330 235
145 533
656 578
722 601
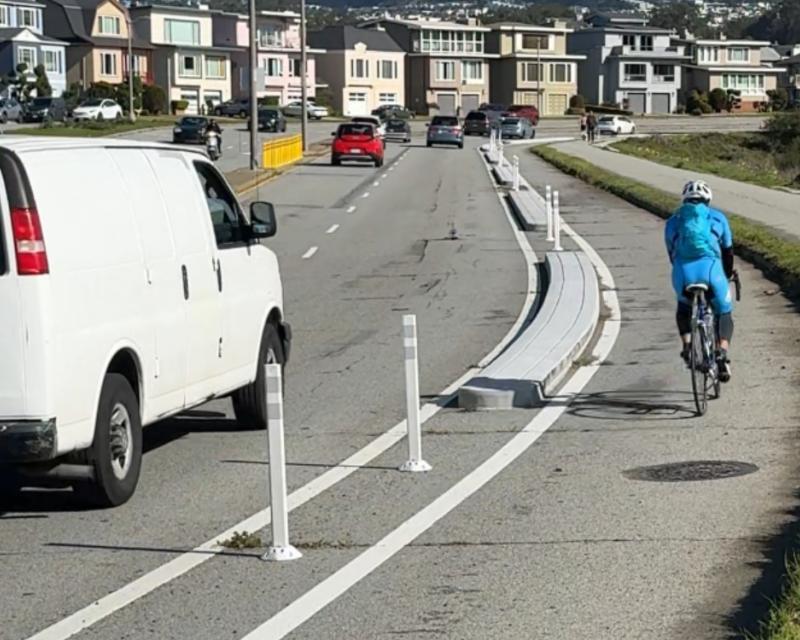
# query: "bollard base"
281 554
415 466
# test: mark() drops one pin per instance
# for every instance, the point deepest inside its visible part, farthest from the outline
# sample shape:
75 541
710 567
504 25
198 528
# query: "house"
628 64
364 68
97 32
278 41
22 41
533 66
733 65
447 64
185 61
791 78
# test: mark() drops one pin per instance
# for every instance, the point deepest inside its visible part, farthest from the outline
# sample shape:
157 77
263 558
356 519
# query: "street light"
253 89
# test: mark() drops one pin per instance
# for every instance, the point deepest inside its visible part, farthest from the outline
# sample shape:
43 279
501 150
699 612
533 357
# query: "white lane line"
333 228
166 573
351 208
376 184
366 195
310 253
314 600
385 175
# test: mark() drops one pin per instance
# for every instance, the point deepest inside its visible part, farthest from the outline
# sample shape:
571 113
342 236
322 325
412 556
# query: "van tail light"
29 242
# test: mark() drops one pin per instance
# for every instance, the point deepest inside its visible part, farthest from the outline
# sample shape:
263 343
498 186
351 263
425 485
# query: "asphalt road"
562 544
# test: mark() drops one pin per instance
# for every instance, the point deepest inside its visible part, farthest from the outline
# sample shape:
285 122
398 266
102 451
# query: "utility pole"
253 88
303 76
539 75
131 114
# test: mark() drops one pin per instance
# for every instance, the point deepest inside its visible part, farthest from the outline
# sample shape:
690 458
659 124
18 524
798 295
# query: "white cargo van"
132 287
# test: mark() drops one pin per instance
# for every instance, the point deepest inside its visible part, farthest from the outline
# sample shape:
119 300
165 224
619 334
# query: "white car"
375 121
615 125
97 110
115 317
295 108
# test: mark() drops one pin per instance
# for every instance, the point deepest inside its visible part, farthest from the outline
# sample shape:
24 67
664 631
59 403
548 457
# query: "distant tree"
529 14
780 24
718 99
41 83
154 99
682 17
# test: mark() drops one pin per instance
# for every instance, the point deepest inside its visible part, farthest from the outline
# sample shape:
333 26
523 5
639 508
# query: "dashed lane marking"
333 228
310 253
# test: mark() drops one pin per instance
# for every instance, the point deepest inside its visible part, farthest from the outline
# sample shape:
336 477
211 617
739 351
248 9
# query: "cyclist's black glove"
727 262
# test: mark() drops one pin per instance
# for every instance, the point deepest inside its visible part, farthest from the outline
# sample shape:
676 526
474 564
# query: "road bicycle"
703 363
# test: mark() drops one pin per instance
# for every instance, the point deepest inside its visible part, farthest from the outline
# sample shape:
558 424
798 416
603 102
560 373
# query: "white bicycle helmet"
697 190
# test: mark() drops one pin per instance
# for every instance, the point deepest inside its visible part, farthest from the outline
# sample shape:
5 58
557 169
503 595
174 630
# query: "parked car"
41 109
515 127
615 125
97 110
239 107
380 127
270 119
525 111
357 141
445 130
398 130
495 111
315 112
393 111
116 317
477 123
190 130
10 109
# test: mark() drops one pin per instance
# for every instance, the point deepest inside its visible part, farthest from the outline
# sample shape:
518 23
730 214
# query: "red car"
525 111
357 141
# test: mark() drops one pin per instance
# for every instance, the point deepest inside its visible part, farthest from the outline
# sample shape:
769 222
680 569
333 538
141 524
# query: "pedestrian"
583 126
591 126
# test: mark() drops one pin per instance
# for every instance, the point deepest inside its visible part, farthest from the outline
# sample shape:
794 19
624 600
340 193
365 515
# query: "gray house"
628 63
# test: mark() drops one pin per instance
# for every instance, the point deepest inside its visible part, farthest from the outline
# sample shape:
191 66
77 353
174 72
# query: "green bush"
778 99
577 102
718 99
697 101
697 111
154 99
179 105
783 129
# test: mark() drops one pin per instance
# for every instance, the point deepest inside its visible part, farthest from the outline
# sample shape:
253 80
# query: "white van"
132 287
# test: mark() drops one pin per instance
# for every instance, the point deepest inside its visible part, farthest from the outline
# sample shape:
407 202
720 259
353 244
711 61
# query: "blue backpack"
695 237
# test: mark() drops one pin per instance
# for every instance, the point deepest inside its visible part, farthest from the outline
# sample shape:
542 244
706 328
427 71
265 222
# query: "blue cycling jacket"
722 238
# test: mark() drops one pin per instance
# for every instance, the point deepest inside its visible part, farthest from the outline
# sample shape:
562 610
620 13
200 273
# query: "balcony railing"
656 52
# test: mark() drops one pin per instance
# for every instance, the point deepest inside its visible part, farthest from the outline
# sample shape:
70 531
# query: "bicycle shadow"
636 405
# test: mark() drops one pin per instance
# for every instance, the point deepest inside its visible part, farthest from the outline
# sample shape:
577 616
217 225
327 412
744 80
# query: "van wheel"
250 402
116 453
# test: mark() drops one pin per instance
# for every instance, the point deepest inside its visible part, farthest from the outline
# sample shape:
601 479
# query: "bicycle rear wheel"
699 375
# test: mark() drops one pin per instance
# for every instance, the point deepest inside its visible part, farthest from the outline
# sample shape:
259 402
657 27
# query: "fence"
281 151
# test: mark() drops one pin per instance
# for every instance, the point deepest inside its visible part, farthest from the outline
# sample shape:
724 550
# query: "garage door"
356 104
447 103
470 102
556 104
529 98
636 102
661 103
192 98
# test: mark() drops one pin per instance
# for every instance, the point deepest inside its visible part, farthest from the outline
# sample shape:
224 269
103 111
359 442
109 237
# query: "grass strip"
777 256
783 621
93 129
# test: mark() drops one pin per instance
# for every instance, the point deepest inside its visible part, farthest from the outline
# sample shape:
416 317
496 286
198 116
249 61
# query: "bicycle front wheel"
698 364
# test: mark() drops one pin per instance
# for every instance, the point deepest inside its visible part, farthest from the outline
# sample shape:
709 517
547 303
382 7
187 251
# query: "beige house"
733 65
533 67
364 68
186 62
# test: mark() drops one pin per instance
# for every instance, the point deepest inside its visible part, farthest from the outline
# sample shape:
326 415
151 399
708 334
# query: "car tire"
379 163
461 145
335 162
429 144
619 131
218 112
118 425
250 402
3 118
633 130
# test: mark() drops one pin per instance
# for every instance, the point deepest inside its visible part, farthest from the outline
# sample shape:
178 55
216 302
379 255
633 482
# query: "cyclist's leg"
683 314
722 302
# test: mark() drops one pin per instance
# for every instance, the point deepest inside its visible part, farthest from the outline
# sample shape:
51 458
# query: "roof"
792 60
735 43
79 16
523 26
11 33
430 24
342 37
42 143
768 54
743 69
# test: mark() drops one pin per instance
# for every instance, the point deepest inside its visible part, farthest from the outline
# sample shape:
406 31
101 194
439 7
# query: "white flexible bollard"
280 550
516 173
556 222
548 208
415 463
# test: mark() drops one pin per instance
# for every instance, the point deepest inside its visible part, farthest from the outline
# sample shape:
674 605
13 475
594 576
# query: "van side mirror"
263 223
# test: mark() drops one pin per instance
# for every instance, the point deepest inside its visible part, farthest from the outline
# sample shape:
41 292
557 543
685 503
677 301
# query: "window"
738 55
27 56
387 69
226 217
273 66
182 32
108 64
359 68
26 17
52 61
532 72
270 36
5 16
215 67
438 41
560 72
535 41
387 98
472 70
294 68
646 43
445 70
108 25
629 40
663 73
189 66
708 54
635 73
748 84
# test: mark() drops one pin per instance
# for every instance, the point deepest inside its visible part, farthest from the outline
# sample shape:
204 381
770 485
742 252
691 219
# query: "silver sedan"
515 127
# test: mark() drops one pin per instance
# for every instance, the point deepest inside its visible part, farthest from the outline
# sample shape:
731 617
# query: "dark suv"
233 108
270 119
477 123
44 109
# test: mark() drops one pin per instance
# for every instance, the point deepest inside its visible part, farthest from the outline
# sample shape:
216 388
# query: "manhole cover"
691 471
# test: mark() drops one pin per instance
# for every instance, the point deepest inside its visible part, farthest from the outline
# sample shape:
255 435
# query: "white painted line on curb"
376 184
166 573
385 175
351 208
310 253
366 195
314 600
333 228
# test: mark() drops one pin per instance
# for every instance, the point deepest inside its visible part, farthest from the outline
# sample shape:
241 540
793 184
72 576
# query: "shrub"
778 99
681 108
697 111
783 129
179 105
577 102
154 99
102 90
718 99
324 97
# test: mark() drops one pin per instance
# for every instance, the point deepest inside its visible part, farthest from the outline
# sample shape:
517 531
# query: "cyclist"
700 247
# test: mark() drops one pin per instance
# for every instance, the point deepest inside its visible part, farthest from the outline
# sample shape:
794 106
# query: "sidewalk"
776 209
